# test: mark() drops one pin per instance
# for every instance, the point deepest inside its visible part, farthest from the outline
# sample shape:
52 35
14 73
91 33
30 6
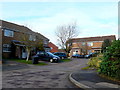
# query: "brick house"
12 34
88 45
53 47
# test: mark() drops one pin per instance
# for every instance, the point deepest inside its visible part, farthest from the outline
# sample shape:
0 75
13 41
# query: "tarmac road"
53 75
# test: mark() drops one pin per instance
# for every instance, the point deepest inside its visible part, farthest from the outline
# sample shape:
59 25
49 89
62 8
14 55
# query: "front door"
24 54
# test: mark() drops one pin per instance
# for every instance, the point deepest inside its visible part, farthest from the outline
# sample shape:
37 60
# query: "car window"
50 54
41 53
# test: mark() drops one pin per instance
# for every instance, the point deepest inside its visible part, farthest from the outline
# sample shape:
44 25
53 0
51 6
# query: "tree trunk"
28 53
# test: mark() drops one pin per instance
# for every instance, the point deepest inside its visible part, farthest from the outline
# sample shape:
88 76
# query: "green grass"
66 60
27 62
85 68
88 68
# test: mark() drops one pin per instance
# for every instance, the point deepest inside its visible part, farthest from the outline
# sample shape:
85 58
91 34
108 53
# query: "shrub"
110 64
95 61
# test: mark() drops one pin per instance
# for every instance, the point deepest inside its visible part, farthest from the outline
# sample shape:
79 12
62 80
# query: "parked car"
91 55
45 56
77 56
62 55
88 56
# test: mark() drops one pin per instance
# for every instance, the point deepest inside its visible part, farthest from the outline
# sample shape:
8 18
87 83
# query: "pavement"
89 79
12 65
18 75
53 75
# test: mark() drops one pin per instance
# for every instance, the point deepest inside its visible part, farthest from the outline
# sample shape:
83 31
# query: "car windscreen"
50 54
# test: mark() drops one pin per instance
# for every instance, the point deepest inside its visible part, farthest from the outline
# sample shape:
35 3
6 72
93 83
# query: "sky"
93 18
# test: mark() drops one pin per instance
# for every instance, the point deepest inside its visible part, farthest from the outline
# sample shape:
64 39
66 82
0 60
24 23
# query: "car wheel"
51 60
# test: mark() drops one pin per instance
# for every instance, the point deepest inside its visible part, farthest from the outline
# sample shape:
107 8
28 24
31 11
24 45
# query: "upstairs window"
90 43
32 38
8 33
45 42
6 48
83 43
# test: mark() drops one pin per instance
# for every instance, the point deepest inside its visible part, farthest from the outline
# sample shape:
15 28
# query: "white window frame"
6 48
83 43
89 51
8 33
45 42
32 38
90 43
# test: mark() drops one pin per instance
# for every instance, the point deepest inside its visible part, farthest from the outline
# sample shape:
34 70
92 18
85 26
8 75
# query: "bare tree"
82 47
31 41
65 33
30 44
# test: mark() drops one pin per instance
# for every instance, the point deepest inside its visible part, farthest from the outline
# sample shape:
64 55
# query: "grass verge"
66 60
88 68
27 62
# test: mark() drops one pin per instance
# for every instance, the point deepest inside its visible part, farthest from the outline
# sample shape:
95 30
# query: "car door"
46 56
41 55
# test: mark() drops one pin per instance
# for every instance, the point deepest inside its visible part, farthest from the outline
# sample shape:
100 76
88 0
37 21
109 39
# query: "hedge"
110 64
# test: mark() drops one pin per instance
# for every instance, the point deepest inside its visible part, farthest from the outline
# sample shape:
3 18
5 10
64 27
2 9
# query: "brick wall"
53 47
19 33
97 43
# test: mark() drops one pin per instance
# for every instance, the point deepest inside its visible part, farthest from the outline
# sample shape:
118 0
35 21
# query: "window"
6 48
32 38
45 42
98 41
83 43
89 51
90 43
8 33
74 43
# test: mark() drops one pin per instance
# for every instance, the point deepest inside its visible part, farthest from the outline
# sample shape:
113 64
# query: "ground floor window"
89 51
75 52
97 51
6 47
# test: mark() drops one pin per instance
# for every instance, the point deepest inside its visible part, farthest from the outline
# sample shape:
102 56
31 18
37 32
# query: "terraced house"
89 45
12 46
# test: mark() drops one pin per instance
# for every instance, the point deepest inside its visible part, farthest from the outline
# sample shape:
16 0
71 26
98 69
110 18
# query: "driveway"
54 75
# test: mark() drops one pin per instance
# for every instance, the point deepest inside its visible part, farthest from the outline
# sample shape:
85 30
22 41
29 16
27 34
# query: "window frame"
6 48
89 43
8 33
32 37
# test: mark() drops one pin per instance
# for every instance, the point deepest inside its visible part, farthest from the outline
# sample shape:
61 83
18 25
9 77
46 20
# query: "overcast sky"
93 18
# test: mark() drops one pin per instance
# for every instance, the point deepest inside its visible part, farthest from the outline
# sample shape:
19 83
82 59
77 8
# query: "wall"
53 47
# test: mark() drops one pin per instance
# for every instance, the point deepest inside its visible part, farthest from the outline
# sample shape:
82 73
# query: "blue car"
62 55
91 55
45 56
77 56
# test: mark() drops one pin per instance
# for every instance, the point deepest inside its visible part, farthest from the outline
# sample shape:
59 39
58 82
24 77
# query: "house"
53 47
12 34
88 45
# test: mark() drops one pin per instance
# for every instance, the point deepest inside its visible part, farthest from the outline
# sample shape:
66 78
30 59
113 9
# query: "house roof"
20 28
51 44
97 38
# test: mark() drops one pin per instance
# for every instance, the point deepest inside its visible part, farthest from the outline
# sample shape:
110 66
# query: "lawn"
66 60
27 62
